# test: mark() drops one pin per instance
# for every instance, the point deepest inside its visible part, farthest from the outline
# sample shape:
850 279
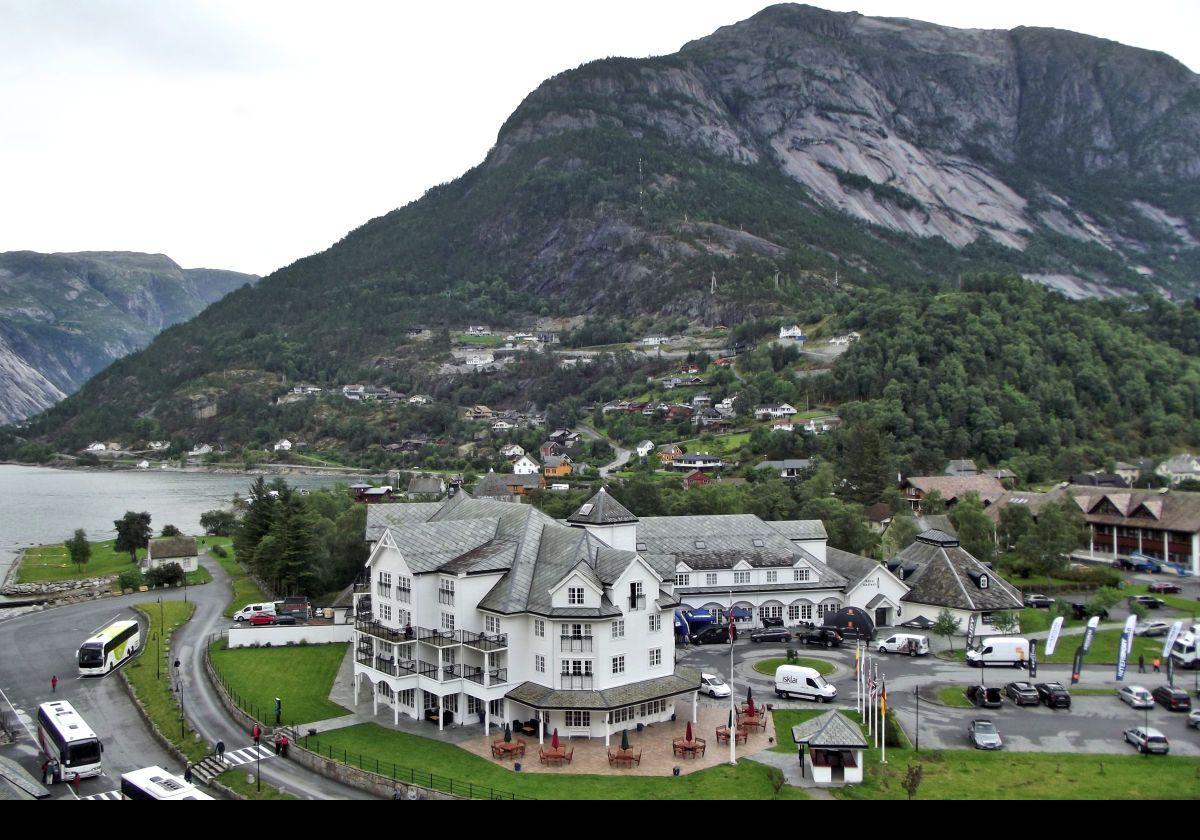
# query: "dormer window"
575 595
983 581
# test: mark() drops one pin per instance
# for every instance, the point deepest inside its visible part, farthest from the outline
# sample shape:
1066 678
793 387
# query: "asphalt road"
1094 724
35 646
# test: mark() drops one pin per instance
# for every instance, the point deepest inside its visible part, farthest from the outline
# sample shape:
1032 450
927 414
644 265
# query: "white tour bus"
65 738
109 648
157 783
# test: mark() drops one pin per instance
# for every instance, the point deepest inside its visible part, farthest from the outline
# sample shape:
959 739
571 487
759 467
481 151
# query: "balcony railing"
381 631
485 676
440 638
485 641
396 668
362 587
575 644
433 672
575 682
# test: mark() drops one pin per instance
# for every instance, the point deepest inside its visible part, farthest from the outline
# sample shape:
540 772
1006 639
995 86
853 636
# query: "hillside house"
426 487
164 550
695 478
1185 467
788 468
557 466
420 399
478 412
511 451
283 445
702 461
771 412
503 425
951 488
654 340
783 424
524 465
961 468
645 448
792 333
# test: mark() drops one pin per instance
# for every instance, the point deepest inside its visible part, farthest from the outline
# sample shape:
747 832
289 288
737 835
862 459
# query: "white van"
909 643
797 681
1000 650
253 609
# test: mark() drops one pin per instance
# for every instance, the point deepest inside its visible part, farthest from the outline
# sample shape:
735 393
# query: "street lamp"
917 694
179 684
157 658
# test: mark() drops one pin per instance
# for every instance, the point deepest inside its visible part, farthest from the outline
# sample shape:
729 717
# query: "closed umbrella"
750 707
507 734
688 735
624 739
749 694
554 739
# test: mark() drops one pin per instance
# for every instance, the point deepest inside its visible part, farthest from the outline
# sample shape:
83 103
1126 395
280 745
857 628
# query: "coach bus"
67 739
157 783
109 648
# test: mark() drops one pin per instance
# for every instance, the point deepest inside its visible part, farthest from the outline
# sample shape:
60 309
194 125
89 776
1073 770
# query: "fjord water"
40 505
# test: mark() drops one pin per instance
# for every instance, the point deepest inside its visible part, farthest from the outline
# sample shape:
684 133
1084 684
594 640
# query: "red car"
1163 587
261 618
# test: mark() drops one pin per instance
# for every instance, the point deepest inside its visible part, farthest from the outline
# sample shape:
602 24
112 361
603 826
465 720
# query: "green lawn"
51 562
1104 649
768 666
1191 608
235 780
785 719
150 677
300 675
955 696
403 756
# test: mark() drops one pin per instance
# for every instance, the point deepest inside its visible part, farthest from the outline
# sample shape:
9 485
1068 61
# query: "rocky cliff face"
1022 137
63 317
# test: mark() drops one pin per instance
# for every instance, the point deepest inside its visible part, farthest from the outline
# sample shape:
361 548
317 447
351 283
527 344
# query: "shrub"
130 579
219 550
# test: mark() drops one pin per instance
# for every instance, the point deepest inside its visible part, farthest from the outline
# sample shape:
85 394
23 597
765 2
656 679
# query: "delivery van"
798 681
253 609
1000 650
909 643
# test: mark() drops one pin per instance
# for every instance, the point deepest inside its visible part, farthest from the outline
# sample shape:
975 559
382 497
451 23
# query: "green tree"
262 503
975 531
1015 522
133 533
933 503
1006 622
171 531
218 523
1059 529
947 626
79 549
899 535
865 464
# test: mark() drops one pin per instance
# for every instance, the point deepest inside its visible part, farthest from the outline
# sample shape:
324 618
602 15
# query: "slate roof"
946 575
380 517
166 547
800 529
683 681
602 509
721 542
832 730
426 485
786 464
853 567
1147 509
953 487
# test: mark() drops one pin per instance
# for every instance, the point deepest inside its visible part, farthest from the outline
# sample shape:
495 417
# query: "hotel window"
741 577
539 627
655 657
448 621
579 719
575 595
385 584
806 612
491 624
682 580
618 664
618 629
404 589
800 575
539 663
385 612
655 622
446 592
408 697
710 579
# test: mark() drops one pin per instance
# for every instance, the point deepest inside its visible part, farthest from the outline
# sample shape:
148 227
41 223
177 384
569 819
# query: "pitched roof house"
164 550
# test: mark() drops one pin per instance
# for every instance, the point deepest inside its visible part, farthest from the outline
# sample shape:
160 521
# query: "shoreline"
210 469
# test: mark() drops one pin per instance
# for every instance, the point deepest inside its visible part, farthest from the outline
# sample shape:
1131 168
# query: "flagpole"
883 726
732 695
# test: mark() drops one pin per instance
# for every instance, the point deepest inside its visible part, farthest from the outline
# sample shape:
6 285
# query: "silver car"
1147 739
983 735
1137 697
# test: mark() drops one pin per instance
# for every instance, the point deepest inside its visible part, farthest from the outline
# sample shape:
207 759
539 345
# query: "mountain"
64 317
760 171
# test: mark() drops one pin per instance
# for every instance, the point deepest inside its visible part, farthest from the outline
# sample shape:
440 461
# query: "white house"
480 359
645 448
783 424
284 445
771 412
420 399
201 449
97 447
158 445
654 340
1180 468
794 332
503 425
524 465
511 451
143 464
487 612
479 330
870 586
164 550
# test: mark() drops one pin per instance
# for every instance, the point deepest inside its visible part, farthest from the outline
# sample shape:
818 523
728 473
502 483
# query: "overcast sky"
245 134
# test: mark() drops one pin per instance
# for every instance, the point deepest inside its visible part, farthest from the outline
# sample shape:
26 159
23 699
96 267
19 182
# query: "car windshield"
984 728
715 681
819 682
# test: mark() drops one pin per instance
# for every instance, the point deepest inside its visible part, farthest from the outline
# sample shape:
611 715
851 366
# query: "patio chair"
496 751
637 759
569 755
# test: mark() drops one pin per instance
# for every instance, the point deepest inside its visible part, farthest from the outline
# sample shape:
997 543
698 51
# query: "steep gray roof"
165 548
801 529
832 730
491 486
718 542
426 485
602 509
397 515
683 681
853 567
946 575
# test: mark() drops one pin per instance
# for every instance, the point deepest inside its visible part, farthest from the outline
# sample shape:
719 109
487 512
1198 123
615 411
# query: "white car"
1151 628
1147 740
1194 719
1137 697
714 686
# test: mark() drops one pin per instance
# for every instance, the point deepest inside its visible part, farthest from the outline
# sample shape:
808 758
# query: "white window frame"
741 577
618 628
710 579
539 627
575 596
682 579
655 657
655 622
491 624
800 575
448 621
618 664
539 663
773 576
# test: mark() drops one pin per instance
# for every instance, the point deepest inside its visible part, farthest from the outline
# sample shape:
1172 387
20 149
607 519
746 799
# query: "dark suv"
772 621
988 696
713 634
1146 601
826 636
1054 695
1172 699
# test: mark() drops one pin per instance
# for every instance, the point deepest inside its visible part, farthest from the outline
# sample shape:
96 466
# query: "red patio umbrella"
750 707
688 736
554 739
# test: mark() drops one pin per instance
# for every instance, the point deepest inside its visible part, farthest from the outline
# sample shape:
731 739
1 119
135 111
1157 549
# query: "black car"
1172 699
772 621
1080 611
1022 693
988 696
285 618
826 636
770 634
714 634
1039 601
1054 695
1146 601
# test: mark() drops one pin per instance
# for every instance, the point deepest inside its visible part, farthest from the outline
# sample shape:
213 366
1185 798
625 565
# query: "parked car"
1039 601
1080 611
261 618
1136 696
772 621
1151 628
713 686
1054 695
714 634
1172 699
988 696
983 735
1022 693
1148 601
770 634
1164 588
1194 719
285 618
909 643
826 636
1147 739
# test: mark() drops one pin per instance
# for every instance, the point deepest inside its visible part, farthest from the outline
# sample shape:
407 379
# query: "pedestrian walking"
221 751
75 782
53 683
283 745
187 774
256 732
1141 663
1157 665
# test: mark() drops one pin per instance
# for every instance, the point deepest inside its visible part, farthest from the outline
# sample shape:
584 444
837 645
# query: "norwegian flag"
870 683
